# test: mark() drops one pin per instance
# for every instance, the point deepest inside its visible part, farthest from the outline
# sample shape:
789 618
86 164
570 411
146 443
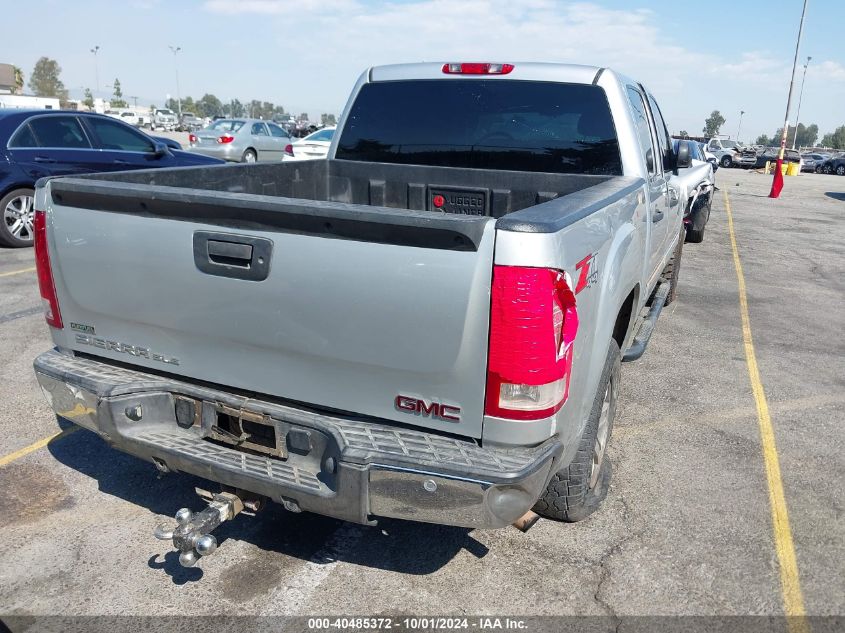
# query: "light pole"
175 50
800 96
96 50
777 181
135 100
739 127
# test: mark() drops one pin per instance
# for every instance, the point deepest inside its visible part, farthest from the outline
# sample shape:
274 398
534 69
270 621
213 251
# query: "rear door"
671 221
279 139
52 145
120 146
657 180
262 142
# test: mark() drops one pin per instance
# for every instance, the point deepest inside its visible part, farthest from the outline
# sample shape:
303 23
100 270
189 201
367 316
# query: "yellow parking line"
17 272
26 450
793 600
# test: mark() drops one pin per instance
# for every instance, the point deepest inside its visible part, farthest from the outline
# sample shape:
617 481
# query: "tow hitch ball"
191 535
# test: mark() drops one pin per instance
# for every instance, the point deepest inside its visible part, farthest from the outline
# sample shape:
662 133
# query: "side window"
59 131
258 129
643 131
663 138
714 145
276 131
23 137
119 136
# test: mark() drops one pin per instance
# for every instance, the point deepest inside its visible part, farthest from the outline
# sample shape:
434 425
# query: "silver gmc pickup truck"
428 325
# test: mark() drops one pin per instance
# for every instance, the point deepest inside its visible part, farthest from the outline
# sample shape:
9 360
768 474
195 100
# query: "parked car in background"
833 165
770 155
313 147
812 160
127 116
241 140
731 153
694 186
39 143
190 122
163 119
710 158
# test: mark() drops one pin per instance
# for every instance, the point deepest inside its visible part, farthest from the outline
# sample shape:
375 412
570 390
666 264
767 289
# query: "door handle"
232 255
44 159
658 215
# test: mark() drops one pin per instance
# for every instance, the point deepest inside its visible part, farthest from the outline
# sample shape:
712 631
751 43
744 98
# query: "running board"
638 345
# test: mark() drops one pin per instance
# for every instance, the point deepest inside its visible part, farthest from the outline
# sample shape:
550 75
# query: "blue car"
38 143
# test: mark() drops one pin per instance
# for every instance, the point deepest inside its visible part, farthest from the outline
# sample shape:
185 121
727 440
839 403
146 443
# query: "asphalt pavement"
686 529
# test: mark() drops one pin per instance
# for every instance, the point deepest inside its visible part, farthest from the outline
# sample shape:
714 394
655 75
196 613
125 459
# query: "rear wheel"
249 156
17 214
577 490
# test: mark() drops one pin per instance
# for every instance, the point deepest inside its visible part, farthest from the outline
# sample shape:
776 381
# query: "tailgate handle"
230 255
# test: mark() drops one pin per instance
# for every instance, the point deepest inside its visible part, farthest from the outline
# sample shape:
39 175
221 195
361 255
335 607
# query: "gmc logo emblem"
417 406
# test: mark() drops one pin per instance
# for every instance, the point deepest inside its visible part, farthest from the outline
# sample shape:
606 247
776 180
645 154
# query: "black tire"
579 489
250 153
10 211
840 170
673 268
726 161
695 237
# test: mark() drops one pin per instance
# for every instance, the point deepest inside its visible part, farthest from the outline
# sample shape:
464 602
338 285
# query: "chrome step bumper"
348 468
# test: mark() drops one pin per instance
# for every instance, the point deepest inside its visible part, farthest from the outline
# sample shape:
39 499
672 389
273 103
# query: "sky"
307 54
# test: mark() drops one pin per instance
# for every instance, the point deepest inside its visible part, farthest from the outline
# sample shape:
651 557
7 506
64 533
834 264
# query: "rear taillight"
226 138
192 138
533 323
289 149
477 69
45 273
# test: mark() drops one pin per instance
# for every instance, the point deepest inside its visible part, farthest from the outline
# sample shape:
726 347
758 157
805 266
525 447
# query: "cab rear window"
484 124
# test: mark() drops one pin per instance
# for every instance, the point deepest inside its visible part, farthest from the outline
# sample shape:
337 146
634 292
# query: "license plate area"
250 431
458 201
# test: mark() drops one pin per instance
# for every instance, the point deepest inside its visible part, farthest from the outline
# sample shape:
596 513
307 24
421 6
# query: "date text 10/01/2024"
415 623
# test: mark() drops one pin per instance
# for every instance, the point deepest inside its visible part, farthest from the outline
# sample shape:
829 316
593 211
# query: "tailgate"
334 309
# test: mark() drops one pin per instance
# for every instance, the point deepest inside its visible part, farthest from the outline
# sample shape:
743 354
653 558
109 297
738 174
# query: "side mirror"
160 149
683 158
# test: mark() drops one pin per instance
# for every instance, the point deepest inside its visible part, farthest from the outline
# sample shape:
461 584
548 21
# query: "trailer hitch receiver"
191 535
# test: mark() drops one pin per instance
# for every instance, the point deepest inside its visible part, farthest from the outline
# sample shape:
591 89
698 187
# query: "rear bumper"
347 468
224 151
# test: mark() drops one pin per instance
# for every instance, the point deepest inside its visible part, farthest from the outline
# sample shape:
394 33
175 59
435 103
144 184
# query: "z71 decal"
589 273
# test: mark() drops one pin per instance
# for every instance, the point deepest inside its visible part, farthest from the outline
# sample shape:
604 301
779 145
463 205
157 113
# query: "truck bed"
372 184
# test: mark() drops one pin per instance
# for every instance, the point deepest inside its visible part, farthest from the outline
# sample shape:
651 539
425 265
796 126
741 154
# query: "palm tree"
18 80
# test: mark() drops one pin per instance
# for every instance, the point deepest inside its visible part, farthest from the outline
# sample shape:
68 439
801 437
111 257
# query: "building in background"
8 98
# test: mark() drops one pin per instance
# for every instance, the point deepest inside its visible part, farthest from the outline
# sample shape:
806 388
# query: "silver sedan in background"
241 140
